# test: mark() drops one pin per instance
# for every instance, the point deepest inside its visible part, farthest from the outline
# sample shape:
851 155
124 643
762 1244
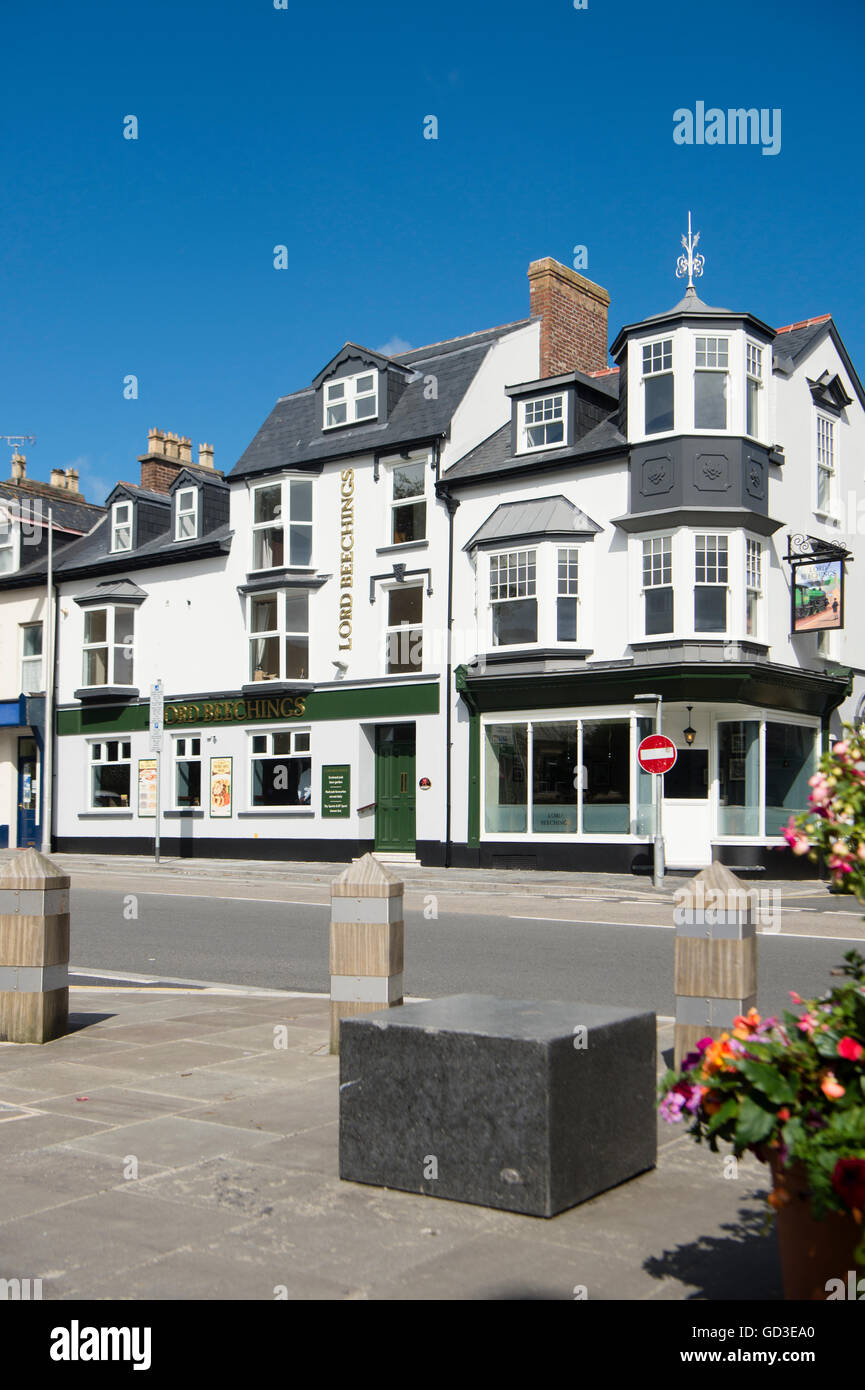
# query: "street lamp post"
658 865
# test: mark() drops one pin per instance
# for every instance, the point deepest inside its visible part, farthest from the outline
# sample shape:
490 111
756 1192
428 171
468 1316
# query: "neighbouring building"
24 527
433 608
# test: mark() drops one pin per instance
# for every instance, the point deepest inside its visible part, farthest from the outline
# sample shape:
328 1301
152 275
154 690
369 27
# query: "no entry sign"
657 753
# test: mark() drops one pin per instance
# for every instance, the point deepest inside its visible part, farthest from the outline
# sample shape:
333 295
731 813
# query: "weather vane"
690 264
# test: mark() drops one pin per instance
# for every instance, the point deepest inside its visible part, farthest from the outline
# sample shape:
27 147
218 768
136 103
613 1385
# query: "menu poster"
220 786
147 788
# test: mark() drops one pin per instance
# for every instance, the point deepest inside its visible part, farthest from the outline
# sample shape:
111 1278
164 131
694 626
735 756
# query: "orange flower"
831 1086
711 1102
778 1198
714 1058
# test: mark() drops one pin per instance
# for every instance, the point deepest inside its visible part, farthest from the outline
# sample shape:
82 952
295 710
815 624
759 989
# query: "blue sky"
304 127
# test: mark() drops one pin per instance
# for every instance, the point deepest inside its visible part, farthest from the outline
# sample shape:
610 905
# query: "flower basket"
813 1253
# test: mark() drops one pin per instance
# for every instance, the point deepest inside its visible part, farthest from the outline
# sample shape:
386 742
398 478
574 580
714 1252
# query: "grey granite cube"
526 1106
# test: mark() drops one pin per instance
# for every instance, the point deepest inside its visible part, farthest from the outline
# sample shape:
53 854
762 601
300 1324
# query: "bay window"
282 524
658 386
567 595
513 597
739 777
658 585
110 774
753 585
710 383
281 768
279 636
108 646
711 573
753 383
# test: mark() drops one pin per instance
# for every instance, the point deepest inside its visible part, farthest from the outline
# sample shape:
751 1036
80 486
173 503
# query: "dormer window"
186 526
121 526
8 544
282 525
710 383
542 423
351 399
658 386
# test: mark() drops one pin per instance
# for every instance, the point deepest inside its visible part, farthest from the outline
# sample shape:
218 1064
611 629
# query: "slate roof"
113 589
71 512
493 456
90 554
291 436
537 516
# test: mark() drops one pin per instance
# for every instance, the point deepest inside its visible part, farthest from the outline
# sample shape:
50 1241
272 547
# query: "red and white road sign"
657 753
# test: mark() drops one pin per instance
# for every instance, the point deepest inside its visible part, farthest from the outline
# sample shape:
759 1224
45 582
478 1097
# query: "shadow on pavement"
742 1264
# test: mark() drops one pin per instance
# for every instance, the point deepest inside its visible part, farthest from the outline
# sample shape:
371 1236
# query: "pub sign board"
336 790
817 595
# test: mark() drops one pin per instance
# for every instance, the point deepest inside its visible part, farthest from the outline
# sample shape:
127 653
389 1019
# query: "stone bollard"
34 949
716 956
366 942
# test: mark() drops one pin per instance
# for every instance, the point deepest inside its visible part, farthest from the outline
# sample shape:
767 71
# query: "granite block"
526 1106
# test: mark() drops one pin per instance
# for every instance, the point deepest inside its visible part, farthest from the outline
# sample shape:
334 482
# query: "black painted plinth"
494 1101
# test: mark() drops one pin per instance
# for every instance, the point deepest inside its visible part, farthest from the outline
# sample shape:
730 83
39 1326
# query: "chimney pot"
72 480
205 455
58 478
573 314
19 467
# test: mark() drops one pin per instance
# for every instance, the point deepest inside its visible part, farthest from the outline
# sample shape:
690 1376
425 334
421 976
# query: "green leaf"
755 1123
727 1112
826 1043
773 1085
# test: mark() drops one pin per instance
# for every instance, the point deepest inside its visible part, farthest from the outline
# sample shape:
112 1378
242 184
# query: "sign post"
657 754
157 711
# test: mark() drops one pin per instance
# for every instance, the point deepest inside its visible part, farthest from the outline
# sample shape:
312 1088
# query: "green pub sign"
336 790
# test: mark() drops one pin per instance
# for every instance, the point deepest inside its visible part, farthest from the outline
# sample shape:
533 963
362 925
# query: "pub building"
437 602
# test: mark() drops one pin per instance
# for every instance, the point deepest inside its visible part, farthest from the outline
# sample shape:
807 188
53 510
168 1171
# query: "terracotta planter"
812 1252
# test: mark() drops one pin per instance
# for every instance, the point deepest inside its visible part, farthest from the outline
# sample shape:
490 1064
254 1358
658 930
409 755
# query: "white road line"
279 902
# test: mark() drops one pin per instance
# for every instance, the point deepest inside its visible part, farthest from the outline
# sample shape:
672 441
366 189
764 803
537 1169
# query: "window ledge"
272 812
277 687
121 813
185 813
827 518
402 545
106 692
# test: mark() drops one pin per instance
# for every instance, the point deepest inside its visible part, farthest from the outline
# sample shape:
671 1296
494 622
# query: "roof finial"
690 264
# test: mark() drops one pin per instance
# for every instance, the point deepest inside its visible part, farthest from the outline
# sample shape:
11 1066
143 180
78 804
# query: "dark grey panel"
699 471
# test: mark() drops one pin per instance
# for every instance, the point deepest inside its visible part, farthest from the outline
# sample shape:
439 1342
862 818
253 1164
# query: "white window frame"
10 539
754 585
183 512
526 588
660 364
411 629
715 369
124 760
350 397
392 465
299 735
279 632
30 688
179 754
118 525
550 416
825 430
666 541
754 372
281 522
568 586
712 562
112 646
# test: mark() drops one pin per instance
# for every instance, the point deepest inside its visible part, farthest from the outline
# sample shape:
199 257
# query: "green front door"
395 787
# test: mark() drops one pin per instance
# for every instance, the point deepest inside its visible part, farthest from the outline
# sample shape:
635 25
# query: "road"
515 951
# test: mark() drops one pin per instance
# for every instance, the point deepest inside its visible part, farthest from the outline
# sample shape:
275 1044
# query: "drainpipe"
451 503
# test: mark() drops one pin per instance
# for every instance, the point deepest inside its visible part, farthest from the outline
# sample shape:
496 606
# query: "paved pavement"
168 1149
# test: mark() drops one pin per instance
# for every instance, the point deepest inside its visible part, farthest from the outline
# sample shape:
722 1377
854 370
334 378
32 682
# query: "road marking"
279 902
582 922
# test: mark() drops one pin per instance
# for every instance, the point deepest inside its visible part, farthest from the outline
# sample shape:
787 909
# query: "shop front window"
790 761
739 777
555 772
606 777
505 781
281 769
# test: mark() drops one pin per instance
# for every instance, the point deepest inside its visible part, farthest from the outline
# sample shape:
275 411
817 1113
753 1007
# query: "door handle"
403 781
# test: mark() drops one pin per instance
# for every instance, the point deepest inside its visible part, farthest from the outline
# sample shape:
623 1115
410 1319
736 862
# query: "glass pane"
111 754
187 527
96 666
408 481
739 777
300 540
124 624
95 625
409 523
110 785
31 675
122 665
264 614
405 605
710 401
515 622
505 783
710 608
752 396
689 779
645 784
405 650
264 654
297 658
554 772
566 620
365 408
659 611
281 781
282 743
301 501
189 784
659 403
607 778
33 640
259 743
297 612
790 761
268 503
336 414
336 391
364 384
268 549
301 743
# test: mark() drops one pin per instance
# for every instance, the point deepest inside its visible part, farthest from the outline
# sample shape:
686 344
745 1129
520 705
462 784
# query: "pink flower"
850 1049
808 1023
841 748
796 838
797 998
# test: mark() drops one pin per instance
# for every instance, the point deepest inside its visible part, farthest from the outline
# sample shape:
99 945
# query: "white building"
419 613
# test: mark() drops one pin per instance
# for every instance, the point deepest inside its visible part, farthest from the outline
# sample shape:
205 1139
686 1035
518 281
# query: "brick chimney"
19 467
573 314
